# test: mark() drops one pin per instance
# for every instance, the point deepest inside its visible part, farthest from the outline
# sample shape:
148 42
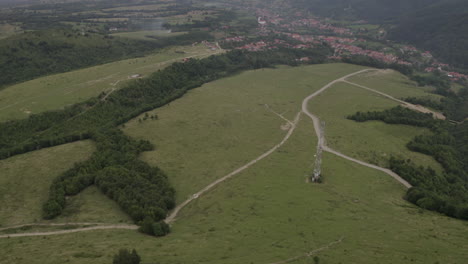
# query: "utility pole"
318 156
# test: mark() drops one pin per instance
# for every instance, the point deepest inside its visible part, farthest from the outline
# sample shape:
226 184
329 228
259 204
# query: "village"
302 31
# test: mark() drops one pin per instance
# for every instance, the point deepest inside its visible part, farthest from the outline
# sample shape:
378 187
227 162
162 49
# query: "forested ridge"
33 54
140 190
445 192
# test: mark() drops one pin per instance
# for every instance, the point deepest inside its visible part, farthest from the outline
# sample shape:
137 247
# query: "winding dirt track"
418 108
322 143
310 253
172 217
59 232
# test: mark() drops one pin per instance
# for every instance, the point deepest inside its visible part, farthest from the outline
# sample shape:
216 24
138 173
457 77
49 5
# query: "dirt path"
322 143
172 217
60 232
418 108
310 253
47 224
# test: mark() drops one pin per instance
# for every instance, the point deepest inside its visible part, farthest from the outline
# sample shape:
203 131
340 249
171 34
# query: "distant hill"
29 55
33 54
440 26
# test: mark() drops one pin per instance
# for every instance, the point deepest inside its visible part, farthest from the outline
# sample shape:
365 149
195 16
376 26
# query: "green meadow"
25 180
267 213
222 125
372 141
59 90
148 34
393 83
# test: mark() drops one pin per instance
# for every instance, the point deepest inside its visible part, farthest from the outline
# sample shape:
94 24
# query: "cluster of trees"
222 17
425 101
456 105
140 190
150 227
437 80
398 115
126 257
445 192
431 191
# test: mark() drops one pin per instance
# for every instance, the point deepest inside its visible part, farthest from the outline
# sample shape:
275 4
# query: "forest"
445 192
141 191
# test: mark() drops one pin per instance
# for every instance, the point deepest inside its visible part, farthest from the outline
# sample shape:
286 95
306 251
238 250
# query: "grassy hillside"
59 90
33 54
25 180
374 142
227 121
269 213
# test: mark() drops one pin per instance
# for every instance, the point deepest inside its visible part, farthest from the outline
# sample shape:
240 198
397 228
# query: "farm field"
372 141
59 90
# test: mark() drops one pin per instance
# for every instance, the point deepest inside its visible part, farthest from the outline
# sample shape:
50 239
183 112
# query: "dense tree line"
442 193
436 80
140 190
445 192
399 115
425 101
143 192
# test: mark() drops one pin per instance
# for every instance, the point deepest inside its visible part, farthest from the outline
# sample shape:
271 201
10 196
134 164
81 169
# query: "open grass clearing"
25 180
221 126
7 30
59 90
92 206
153 7
148 34
393 83
268 213
372 141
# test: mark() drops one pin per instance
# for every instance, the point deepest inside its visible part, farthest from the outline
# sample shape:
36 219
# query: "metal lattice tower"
318 155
